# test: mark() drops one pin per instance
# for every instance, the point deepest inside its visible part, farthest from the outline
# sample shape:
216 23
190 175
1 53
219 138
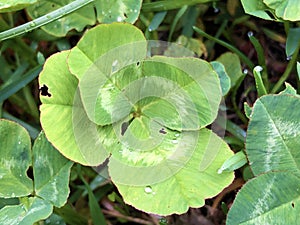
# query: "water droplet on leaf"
258 68
250 34
148 189
216 10
175 141
114 66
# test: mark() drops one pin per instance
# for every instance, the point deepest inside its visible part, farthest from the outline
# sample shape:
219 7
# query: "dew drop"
163 221
1 176
175 141
148 189
250 34
119 19
245 71
289 58
258 68
19 142
13 195
135 11
114 66
177 135
216 10
115 63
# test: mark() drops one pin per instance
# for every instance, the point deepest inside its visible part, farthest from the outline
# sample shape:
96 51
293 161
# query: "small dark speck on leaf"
125 15
293 204
138 63
162 131
44 91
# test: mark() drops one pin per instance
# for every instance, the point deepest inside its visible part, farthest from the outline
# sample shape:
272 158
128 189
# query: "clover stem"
287 71
43 20
137 113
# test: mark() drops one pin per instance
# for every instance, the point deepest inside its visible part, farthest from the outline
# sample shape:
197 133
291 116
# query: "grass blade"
19 83
43 20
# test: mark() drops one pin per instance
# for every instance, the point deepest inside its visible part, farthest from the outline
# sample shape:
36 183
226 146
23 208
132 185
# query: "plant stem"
175 21
286 27
233 100
234 129
19 45
261 60
243 57
287 71
43 20
19 83
31 102
221 30
169 5
261 90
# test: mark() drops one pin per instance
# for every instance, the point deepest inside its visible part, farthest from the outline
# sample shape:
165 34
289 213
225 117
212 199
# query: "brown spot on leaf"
162 131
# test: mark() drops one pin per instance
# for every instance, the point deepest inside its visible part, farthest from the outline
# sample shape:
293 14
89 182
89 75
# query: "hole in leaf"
162 131
125 125
293 204
30 172
270 14
44 91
